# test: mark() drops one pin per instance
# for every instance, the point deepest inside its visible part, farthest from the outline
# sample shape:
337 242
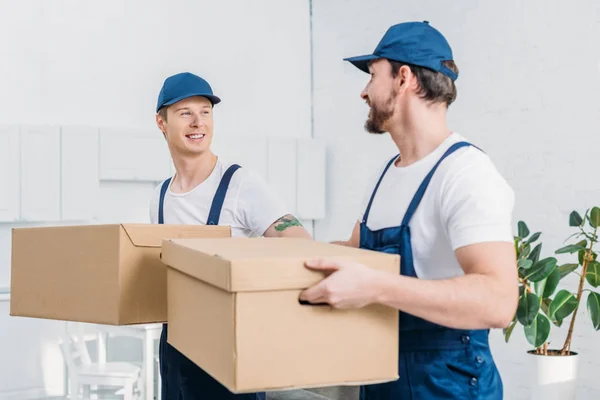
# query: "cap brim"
362 62
213 99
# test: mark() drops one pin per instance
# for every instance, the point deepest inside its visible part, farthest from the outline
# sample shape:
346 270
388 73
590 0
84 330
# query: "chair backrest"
74 346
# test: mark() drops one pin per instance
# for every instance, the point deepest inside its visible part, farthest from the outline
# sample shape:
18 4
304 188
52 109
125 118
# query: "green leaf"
535 253
541 269
517 240
546 287
524 263
545 306
572 248
567 269
537 333
525 252
593 305
593 273
528 308
534 237
575 219
562 306
508 330
582 254
595 217
523 229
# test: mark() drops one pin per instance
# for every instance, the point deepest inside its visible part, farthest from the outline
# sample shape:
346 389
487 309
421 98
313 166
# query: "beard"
380 114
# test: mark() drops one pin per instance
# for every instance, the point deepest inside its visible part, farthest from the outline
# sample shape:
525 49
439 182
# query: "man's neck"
191 171
419 134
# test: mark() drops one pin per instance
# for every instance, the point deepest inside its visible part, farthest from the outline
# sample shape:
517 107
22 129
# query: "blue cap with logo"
416 43
184 85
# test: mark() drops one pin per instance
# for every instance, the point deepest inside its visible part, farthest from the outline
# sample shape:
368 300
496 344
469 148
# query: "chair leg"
74 386
158 389
128 392
86 392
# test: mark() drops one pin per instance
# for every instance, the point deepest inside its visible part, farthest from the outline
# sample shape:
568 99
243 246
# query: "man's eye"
185 113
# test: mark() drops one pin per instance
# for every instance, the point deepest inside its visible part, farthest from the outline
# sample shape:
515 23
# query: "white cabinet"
311 164
10 187
248 152
282 169
40 173
132 155
79 172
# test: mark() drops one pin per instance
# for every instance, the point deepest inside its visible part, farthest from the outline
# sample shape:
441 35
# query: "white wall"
528 94
99 65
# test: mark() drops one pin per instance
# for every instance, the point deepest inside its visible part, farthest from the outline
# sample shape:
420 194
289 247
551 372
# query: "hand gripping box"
234 310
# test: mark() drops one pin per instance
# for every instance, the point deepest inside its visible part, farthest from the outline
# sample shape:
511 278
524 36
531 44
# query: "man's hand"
348 284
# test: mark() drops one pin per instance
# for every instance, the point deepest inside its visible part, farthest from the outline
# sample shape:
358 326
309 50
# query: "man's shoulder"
470 158
157 189
472 173
244 178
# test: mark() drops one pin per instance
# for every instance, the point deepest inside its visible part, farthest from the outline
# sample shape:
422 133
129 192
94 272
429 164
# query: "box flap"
253 264
151 235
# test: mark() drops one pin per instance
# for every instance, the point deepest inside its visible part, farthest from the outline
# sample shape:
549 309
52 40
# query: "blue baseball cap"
416 43
184 85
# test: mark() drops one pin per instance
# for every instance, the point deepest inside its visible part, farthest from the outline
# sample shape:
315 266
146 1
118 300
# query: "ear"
160 122
409 78
404 77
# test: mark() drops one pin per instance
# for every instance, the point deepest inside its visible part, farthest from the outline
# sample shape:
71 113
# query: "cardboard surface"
108 274
234 311
241 264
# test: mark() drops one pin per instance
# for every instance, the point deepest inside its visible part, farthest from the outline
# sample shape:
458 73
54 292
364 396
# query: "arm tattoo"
285 222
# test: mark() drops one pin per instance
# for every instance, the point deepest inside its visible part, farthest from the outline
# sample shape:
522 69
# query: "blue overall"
435 362
182 379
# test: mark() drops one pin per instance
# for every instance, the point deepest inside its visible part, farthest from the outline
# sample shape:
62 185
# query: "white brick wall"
528 95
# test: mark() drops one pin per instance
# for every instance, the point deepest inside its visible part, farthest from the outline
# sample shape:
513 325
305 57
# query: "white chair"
83 374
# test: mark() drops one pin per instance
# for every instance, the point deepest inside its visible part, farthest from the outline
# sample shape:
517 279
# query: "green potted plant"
542 304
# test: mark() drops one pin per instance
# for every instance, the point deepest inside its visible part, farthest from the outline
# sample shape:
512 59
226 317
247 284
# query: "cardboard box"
106 274
234 310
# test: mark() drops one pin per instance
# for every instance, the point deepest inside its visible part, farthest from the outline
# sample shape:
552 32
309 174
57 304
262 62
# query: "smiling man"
208 191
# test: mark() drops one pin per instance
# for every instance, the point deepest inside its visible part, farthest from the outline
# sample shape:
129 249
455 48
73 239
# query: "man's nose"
363 94
196 120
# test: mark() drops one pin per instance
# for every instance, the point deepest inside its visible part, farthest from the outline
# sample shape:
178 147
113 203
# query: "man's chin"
372 128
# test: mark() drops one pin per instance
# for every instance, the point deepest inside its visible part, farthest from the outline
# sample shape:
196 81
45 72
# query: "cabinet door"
40 173
248 151
311 179
9 174
132 155
282 169
79 173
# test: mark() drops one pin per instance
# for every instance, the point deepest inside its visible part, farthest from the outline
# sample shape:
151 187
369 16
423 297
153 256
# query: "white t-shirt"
250 205
466 202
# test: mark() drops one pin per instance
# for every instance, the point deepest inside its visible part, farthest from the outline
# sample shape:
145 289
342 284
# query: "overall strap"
423 187
219 199
161 202
377 187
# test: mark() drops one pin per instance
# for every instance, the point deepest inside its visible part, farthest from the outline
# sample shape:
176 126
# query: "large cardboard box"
106 274
234 310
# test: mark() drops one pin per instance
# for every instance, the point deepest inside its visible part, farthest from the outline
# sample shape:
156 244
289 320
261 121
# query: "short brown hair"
433 86
163 113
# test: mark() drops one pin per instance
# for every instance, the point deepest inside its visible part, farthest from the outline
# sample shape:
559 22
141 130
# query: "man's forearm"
471 301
